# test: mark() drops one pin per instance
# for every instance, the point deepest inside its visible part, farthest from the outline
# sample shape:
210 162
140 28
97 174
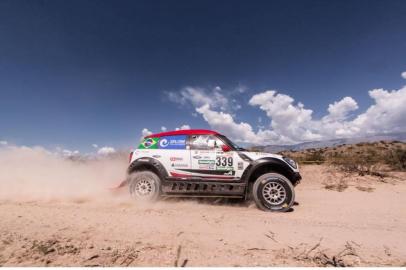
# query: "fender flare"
149 163
279 166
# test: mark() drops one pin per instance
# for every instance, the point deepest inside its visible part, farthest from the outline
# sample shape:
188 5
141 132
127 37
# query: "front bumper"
296 178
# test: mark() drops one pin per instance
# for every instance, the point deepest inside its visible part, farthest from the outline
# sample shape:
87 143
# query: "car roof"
184 132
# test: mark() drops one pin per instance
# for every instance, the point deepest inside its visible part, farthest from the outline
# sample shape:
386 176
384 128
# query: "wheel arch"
148 164
269 164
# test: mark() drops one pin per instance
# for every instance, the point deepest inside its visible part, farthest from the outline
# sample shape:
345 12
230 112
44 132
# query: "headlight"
290 161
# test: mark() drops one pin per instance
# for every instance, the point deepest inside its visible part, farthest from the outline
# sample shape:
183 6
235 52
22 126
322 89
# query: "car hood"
258 155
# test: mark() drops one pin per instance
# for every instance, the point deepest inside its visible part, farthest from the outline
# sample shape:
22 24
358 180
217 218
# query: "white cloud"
146 132
241 88
291 122
69 153
386 115
106 150
3 143
61 151
240 132
217 98
403 75
340 110
198 96
224 123
183 127
95 145
296 123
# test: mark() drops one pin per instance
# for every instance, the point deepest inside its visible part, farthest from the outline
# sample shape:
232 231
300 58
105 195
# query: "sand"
326 228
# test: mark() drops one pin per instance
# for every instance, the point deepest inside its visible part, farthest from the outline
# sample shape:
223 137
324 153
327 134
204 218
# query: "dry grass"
363 158
335 180
376 162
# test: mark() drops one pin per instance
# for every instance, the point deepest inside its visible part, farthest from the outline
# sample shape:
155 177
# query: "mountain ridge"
400 136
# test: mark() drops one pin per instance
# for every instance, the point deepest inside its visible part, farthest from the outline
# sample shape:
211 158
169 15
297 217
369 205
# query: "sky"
96 75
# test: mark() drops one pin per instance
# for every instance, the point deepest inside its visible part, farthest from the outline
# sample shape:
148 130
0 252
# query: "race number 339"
224 161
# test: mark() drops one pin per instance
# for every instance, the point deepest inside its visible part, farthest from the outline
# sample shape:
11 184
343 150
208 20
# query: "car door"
208 160
174 153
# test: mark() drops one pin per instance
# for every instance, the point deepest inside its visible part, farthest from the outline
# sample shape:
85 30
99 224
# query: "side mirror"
225 148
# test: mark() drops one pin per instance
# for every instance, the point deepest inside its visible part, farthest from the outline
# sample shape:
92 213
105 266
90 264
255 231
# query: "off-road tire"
273 192
144 186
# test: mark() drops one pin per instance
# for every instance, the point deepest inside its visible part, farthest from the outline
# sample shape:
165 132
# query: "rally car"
204 163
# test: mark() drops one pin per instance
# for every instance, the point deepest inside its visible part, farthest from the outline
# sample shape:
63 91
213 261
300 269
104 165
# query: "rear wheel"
144 186
273 192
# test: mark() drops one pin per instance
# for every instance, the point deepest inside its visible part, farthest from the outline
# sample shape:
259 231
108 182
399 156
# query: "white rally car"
204 163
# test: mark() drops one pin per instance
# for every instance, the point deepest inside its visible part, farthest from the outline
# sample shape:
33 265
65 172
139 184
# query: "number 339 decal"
224 161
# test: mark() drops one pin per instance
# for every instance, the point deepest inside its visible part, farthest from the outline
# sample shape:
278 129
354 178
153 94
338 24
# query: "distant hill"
363 157
328 143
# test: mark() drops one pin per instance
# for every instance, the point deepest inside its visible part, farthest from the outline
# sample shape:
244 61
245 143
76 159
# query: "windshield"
230 143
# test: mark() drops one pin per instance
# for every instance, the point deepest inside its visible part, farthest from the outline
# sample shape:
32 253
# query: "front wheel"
273 192
144 186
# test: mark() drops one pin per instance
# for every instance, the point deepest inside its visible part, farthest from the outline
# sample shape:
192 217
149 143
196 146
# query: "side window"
219 142
204 142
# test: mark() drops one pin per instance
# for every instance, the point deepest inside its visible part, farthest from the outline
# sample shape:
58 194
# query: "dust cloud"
36 174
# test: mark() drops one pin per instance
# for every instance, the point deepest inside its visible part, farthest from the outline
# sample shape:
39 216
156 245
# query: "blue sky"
77 73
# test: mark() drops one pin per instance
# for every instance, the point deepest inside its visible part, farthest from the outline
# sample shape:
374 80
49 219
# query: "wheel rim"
144 188
274 193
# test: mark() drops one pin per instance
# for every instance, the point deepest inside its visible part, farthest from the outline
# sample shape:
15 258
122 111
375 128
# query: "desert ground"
339 220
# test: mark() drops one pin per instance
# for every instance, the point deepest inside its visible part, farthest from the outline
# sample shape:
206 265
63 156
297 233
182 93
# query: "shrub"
397 159
356 162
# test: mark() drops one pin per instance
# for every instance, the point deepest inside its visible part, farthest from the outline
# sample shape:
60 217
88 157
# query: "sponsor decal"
240 165
156 156
197 157
175 159
209 175
202 152
163 143
149 143
180 165
206 167
172 142
220 168
206 162
216 173
225 154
